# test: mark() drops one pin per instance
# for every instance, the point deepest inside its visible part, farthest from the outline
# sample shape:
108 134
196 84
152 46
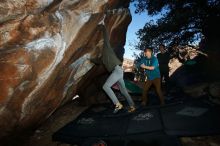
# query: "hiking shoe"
131 109
118 107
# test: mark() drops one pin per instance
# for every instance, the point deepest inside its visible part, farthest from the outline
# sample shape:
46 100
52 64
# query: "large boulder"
44 52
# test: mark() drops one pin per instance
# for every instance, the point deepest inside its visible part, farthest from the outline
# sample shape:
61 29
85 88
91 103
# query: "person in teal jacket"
151 66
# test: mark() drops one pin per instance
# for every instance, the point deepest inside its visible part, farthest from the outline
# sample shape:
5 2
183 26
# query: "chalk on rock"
75 97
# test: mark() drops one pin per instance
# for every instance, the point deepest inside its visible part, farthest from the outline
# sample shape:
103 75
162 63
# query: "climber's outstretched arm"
106 44
105 36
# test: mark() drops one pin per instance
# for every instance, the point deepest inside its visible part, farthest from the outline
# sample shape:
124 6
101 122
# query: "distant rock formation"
44 51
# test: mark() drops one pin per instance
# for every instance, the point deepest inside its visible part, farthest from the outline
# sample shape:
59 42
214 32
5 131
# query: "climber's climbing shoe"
131 109
118 107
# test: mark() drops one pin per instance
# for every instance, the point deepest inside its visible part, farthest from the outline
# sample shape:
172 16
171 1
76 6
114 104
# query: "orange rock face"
45 48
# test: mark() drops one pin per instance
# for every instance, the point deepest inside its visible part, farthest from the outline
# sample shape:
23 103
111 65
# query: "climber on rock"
114 65
151 66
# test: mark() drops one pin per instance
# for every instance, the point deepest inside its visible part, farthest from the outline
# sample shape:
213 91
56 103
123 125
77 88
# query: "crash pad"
195 118
188 118
132 87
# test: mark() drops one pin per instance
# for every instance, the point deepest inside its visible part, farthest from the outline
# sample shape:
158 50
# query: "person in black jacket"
164 58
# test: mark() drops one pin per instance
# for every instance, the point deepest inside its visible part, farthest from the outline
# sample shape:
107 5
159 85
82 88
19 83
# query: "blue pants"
117 77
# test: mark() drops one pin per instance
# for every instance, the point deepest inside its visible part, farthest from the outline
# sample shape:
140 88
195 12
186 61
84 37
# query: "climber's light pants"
117 76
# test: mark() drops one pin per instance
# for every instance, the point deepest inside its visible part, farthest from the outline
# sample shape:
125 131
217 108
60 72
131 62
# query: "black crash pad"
190 118
101 122
145 121
95 126
195 118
